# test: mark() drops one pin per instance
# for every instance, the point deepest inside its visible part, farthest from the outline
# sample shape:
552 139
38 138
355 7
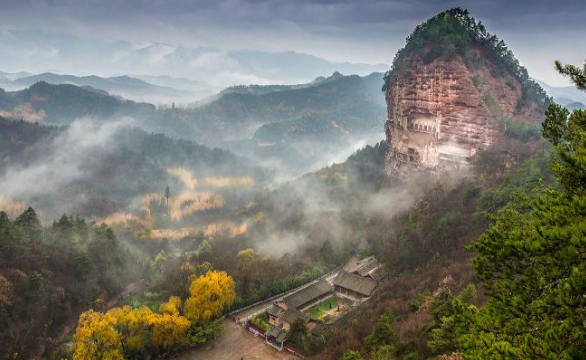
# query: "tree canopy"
531 263
210 294
126 333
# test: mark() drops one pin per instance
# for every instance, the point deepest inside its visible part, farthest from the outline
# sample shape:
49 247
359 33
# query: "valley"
207 203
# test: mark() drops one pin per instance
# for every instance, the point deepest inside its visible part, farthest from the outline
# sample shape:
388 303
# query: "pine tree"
532 262
30 222
577 75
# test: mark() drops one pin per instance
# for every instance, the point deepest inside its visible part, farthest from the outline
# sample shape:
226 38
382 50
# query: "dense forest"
140 161
49 274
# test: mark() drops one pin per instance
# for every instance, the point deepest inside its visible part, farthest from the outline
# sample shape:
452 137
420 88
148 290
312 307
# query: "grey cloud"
341 30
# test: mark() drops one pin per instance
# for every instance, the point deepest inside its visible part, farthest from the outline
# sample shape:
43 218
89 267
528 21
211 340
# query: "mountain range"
280 125
274 124
67 53
567 96
125 86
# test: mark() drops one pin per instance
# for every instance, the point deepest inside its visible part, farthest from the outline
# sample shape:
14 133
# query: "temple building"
356 281
353 286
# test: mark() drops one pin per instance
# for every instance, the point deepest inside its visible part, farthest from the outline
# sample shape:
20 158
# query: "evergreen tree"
531 263
297 333
11 238
577 75
29 221
383 333
351 355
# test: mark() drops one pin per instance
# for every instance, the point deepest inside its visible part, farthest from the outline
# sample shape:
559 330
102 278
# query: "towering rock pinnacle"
436 118
451 91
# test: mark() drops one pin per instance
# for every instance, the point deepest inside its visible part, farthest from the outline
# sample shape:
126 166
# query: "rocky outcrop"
440 114
455 89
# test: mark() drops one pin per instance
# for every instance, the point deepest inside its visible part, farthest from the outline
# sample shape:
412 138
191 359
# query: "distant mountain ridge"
62 104
301 126
125 86
92 80
256 89
295 127
565 95
245 107
218 67
14 76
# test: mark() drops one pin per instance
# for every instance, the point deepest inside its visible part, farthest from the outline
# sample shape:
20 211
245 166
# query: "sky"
360 31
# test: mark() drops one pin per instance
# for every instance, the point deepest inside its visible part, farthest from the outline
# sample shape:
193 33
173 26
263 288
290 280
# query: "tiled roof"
277 332
274 310
367 265
291 315
274 330
352 263
308 294
376 274
356 283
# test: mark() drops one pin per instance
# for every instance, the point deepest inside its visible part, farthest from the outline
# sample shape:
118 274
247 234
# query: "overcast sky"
366 31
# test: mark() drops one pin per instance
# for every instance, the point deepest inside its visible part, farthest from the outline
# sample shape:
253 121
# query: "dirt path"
234 344
129 290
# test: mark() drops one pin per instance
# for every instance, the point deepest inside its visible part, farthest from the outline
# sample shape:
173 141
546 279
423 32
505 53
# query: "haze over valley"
336 180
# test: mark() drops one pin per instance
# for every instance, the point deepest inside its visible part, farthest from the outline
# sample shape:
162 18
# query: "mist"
50 166
284 214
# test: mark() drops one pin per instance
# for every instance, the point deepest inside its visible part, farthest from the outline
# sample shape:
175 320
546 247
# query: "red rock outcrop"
440 114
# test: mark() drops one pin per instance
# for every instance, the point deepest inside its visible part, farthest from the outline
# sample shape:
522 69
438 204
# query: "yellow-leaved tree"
171 307
134 326
96 338
191 271
169 331
130 333
169 328
209 295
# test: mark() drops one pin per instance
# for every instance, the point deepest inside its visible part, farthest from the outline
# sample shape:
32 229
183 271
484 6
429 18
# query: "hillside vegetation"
50 273
100 179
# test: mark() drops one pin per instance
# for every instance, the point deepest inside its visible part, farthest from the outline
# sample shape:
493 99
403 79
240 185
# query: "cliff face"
455 89
440 114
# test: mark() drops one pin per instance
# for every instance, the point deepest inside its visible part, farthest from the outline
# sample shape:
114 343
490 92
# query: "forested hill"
61 104
126 86
104 168
50 273
284 124
263 104
278 124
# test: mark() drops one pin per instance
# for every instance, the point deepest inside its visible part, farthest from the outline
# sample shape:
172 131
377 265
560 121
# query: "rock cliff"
443 106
